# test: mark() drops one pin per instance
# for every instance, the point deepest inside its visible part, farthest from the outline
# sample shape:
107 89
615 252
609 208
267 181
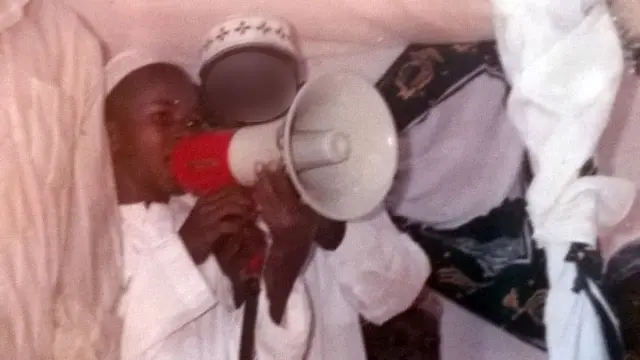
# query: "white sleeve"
165 291
379 270
289 339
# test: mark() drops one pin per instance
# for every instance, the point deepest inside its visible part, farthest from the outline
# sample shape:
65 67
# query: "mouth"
168 157
167 163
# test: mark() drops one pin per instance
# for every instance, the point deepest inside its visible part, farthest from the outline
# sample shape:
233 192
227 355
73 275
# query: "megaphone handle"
247 336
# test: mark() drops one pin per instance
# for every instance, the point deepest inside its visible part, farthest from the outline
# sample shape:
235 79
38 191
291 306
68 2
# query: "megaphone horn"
338 143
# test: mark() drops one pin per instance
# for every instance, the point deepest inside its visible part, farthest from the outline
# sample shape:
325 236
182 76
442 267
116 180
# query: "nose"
182 132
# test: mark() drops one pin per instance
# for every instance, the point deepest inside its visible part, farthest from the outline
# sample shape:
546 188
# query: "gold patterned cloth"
487 264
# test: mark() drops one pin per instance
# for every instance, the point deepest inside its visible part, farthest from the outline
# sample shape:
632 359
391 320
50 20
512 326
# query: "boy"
180 302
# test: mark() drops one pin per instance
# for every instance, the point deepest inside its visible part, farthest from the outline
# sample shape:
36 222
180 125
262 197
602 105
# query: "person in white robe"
180 299
373 271
60 248
458 161
365 268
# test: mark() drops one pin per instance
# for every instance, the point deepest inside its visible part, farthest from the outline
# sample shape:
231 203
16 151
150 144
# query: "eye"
163 118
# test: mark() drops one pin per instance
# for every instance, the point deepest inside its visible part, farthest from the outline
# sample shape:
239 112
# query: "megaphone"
338 143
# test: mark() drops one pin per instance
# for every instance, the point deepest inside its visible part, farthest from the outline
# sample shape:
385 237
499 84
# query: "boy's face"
157 106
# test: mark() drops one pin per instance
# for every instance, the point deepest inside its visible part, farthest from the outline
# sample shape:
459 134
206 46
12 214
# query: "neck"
131 191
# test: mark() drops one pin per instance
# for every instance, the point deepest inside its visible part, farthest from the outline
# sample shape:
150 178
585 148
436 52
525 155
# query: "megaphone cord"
247 337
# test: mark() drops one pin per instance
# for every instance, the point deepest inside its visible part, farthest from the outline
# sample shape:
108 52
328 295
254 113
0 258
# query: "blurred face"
249 87
155 106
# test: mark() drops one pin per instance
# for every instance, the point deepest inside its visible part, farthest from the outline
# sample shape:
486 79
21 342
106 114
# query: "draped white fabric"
565 62
176 29
564 66
59 248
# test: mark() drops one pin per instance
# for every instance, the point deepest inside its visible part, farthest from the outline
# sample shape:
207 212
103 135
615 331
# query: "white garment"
59 248
564 61
174 310
460 159
377 272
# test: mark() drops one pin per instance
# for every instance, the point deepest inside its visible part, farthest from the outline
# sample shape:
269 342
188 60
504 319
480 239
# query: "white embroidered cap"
261 31
124 64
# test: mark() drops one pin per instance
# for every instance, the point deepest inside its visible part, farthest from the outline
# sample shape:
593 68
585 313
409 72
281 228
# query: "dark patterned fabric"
498 274
424 76
489 265
625 298
412 335
622 279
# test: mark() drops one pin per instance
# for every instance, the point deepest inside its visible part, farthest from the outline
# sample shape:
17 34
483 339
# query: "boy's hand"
234 255
290 221
293 227
292 224
214 218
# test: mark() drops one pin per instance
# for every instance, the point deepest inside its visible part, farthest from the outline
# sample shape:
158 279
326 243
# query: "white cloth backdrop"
177 28
59 231
345 35
565 63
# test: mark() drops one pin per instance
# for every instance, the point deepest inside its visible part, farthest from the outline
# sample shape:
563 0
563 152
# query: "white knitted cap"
246 31
124 64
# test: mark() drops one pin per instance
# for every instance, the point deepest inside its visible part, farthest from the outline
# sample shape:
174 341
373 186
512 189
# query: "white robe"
173 309
377 272
459 160
59 242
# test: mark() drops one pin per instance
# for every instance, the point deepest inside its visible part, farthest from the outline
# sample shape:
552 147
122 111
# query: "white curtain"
59 233
564 61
